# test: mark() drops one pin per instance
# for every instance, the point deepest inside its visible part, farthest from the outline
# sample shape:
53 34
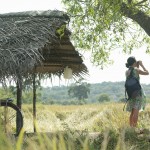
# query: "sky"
113 73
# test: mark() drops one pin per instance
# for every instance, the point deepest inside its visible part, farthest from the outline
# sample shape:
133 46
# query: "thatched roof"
34 41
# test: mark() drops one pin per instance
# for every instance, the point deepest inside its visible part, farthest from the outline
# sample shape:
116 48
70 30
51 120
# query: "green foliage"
55 94
27 91
28 83
27 96
103 98
13 90
80 90
103 26
61 31
59 95
7 93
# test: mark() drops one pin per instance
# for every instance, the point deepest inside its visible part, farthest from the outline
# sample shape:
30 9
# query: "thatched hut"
36 42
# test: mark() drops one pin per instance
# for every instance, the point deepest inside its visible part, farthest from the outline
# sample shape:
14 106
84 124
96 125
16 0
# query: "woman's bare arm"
144 71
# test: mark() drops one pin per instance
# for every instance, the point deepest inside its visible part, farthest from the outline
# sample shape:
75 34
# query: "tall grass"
85 127
95 118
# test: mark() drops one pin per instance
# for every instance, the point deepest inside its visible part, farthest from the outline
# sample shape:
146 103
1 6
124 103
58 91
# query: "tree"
104 98
80 90
105 25
27 96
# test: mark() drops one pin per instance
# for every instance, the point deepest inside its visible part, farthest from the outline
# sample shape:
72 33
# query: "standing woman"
138 102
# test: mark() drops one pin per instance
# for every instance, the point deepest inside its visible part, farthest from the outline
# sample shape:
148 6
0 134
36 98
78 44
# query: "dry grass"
94 117
108 120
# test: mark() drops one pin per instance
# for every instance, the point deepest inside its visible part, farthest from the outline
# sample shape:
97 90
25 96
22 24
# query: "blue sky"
115 72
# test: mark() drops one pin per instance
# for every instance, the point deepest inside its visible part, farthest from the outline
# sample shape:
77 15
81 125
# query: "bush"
103 98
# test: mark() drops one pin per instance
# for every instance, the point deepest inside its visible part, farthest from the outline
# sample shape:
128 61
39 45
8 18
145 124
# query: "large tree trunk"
137 15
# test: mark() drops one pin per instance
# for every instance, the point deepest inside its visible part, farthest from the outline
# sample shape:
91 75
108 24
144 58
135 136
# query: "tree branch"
138 16
143 1
129 1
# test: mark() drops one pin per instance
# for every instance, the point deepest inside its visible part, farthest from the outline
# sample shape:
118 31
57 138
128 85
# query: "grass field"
86 127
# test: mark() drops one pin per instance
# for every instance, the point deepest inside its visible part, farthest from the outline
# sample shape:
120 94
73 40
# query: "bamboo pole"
34 102
19 99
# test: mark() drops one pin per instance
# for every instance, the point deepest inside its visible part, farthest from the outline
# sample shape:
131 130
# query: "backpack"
132 86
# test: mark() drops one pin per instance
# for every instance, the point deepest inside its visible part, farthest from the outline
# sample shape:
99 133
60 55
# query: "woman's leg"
134 117
130 119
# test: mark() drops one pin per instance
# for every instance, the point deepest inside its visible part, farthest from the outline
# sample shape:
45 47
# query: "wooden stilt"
19 99
34 103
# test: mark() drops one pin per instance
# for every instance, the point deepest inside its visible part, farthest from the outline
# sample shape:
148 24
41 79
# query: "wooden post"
19 99
34 102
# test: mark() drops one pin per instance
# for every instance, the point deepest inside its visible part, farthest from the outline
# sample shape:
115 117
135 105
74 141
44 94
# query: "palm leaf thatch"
37 41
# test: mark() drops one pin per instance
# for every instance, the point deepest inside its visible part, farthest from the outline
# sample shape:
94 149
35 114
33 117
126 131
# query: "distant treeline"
115 90
59 94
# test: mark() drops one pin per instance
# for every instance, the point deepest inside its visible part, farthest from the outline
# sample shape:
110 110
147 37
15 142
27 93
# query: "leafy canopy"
103 98
104 25
80 90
